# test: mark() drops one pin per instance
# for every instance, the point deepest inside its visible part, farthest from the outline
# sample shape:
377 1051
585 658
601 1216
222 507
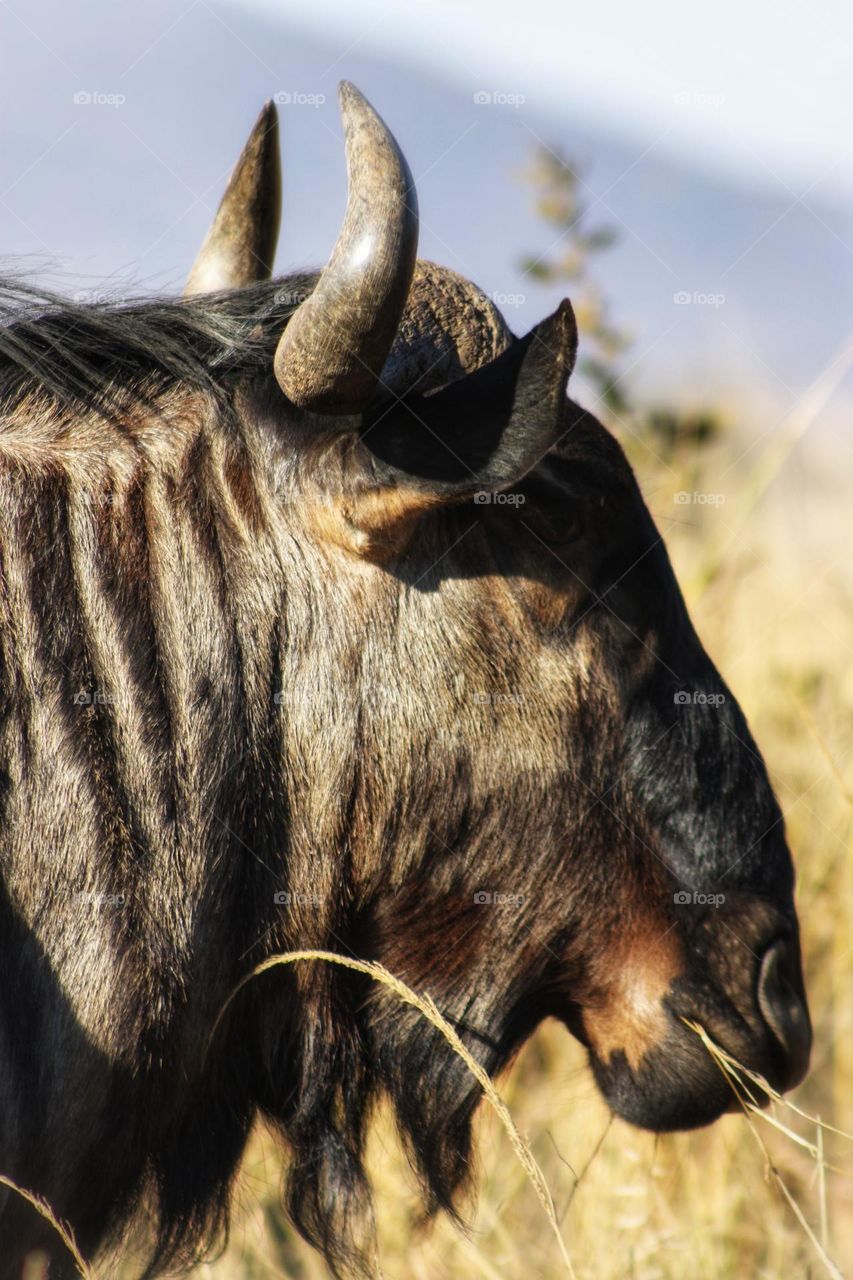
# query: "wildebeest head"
507 768
553 803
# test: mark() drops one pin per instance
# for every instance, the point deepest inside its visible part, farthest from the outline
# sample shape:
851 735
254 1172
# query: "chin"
659 1094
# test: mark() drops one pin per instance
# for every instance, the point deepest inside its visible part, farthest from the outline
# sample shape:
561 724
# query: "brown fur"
254 698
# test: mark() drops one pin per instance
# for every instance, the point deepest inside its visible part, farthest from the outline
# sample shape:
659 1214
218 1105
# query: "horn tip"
351 99
267 121
239 248
268 113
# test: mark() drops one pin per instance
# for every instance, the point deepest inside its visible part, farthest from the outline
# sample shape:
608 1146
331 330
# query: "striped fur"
223 734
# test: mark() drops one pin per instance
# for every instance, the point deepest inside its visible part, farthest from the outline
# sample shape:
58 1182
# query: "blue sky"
716 143
752 87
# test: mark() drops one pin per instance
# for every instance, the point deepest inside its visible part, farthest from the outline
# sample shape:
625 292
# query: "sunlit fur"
241 737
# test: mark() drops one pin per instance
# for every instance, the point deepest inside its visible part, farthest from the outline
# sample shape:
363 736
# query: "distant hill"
110 187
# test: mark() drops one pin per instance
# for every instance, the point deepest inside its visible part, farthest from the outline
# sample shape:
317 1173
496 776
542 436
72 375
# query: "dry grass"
428 1009
62 1229
750 1088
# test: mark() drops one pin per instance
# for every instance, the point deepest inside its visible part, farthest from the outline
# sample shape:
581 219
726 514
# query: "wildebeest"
329 621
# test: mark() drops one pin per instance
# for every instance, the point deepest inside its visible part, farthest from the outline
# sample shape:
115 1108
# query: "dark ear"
239 248
484 432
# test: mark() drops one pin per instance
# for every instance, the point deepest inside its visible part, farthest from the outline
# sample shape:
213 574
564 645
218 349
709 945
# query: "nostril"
784 1010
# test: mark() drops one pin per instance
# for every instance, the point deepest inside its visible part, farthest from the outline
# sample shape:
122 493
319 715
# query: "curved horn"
334 346
240 246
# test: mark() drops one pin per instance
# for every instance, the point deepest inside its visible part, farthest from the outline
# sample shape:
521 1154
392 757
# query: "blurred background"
686 175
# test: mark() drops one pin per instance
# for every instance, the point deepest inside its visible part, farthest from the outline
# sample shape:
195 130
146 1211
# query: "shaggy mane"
106 355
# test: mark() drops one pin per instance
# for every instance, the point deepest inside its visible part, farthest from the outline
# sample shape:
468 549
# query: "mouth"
676 1087
680 1082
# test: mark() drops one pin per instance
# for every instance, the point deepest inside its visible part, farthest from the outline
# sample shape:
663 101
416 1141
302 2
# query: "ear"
486 431
483 433
239 248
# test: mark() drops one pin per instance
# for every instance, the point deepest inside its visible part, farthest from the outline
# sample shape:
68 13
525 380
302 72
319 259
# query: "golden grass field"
767 576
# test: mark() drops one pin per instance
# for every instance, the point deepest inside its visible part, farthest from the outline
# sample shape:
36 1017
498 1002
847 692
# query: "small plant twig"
428 1008
732 1070
61 1228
